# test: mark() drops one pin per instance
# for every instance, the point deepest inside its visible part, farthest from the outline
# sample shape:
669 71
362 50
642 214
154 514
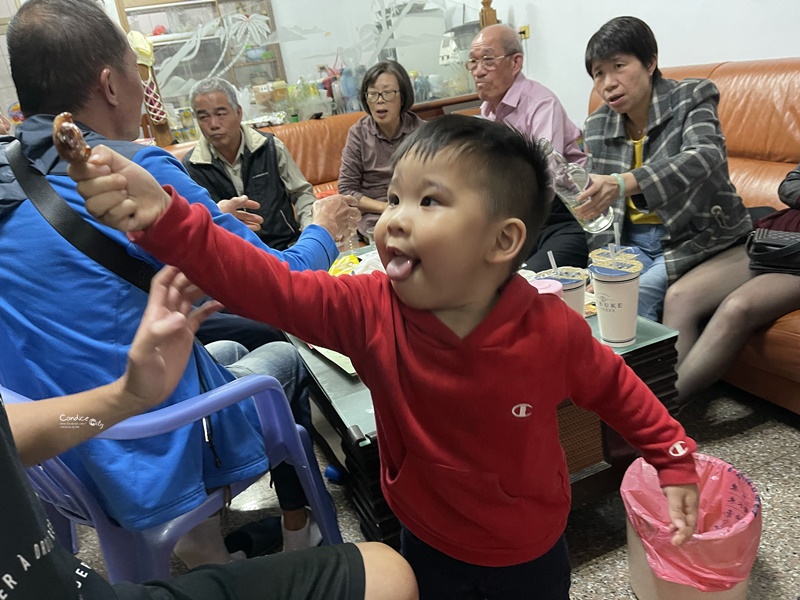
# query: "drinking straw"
552 261
612 248
617 236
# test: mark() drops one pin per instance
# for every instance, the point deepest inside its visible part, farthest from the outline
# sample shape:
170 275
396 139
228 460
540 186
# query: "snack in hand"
68 140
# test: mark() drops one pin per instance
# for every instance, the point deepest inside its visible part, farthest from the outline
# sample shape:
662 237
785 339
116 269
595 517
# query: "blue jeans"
281 361
653 280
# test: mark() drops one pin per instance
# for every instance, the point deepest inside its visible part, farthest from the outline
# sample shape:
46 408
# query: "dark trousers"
441 577
567 241
226 326
327 573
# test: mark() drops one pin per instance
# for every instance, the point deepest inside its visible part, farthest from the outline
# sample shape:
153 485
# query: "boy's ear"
509 239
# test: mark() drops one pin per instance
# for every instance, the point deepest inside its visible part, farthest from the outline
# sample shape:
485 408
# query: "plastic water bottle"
569 181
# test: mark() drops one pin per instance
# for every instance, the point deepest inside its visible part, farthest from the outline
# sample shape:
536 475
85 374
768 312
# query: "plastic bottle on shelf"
336 92
280 91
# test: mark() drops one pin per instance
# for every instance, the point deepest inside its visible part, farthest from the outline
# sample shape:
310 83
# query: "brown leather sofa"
315 145
759 112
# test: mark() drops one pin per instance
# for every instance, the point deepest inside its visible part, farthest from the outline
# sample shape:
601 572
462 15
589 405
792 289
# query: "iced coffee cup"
573 283
616 293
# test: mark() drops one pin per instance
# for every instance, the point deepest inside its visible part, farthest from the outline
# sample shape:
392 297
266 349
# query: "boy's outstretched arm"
121 194
251 282
682 502
156 362
118 192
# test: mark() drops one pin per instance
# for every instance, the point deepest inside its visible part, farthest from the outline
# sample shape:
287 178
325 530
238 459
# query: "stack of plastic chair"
137 556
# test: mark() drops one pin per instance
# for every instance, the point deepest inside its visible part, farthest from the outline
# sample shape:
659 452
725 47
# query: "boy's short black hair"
403 82
623 35
509 166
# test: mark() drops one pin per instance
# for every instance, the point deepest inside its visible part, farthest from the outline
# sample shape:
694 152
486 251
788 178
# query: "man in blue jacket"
73 320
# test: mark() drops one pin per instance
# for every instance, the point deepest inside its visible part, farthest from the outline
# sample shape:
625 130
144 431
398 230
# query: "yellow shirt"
634 214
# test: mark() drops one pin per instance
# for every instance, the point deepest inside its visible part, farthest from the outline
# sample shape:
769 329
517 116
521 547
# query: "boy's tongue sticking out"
399 268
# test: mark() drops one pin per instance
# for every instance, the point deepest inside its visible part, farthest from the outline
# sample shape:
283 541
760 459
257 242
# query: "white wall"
111 9
687 31
338 31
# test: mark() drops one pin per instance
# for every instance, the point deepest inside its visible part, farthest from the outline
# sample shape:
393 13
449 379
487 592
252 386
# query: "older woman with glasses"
386 95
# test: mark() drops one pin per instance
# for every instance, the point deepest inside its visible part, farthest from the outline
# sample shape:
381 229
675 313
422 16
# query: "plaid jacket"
684 178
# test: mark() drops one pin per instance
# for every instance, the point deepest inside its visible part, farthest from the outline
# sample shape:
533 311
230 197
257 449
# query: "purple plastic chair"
138 556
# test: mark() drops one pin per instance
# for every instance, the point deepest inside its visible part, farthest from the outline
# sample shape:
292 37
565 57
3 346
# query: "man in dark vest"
243 168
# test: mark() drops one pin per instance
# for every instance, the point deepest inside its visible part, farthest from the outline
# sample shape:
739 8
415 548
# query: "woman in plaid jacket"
657 155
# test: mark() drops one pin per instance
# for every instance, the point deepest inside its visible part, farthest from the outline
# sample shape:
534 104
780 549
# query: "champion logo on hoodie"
678 448
522 410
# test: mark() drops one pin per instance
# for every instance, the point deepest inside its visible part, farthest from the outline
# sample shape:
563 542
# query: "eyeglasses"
385 95
489 63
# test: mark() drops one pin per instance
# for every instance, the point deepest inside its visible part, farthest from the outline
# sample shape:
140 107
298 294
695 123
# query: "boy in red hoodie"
452 345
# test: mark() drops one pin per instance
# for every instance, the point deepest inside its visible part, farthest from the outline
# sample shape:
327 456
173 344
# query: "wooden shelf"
255 63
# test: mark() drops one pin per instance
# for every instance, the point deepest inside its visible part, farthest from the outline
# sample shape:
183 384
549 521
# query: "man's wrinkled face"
218 120
494 71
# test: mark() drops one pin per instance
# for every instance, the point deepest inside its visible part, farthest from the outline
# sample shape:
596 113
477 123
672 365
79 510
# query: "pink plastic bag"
721 553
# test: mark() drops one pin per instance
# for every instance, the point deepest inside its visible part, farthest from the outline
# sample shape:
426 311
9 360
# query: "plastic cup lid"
566 275
611 273
547 286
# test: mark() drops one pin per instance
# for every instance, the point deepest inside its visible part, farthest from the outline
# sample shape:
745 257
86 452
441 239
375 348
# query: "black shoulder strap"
73 227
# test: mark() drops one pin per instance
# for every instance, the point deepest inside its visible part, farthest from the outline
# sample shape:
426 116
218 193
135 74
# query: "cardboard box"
262 94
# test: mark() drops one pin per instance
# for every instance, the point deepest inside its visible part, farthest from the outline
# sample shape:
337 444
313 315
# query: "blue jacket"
72 321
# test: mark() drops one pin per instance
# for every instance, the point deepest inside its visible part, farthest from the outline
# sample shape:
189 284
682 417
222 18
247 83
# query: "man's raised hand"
338 214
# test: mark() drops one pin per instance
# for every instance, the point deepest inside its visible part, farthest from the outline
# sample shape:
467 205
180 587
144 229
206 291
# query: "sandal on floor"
256 538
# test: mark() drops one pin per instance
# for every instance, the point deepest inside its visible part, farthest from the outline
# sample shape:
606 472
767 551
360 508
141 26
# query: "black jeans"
441 577
564 237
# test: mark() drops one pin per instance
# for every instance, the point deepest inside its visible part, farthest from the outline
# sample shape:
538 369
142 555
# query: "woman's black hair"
403 82
623 35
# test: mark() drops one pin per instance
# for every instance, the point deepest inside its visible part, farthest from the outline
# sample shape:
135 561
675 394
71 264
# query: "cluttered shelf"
254 63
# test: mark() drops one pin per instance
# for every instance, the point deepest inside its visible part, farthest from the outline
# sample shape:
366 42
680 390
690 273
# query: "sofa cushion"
777 348
759 110
317 145
757 181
